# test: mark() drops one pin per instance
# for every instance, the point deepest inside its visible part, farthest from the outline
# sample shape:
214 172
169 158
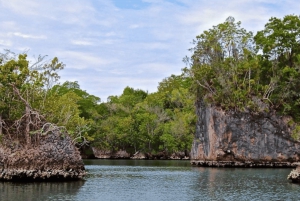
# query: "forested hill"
230 67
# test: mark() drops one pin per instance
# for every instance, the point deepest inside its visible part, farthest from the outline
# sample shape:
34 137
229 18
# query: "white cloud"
20 7
81 42
153 46
28 36
134 26
111 33
5 43
108 48
8 25
83 60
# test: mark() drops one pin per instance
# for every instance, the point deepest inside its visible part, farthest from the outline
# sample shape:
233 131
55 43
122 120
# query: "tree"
280 45
118 127
280 40
224 66
87 103
20 85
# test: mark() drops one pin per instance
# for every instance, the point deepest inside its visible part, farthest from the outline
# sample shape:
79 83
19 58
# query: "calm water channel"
144 180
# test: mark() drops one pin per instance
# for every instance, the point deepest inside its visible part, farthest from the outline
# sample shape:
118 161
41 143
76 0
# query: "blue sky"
110 44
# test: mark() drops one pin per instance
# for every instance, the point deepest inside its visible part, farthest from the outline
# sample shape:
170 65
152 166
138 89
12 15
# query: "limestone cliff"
242 136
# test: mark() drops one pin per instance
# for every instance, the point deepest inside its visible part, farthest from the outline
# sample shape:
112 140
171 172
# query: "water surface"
159 180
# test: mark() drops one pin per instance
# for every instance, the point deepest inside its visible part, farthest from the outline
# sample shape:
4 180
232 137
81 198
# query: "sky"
107 45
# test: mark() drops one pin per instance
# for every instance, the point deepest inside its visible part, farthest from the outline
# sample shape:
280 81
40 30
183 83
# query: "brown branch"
206 87
16 90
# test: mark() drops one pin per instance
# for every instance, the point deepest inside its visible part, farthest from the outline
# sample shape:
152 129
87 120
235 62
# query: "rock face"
138 155
294 176
106 154
52 157
242 137
123 154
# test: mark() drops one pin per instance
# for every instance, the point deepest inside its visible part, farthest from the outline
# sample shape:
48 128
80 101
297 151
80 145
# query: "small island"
247 95
31 148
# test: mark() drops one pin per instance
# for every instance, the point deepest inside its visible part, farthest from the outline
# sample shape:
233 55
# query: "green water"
159 180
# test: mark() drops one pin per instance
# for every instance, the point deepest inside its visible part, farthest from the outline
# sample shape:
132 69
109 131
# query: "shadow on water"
39 191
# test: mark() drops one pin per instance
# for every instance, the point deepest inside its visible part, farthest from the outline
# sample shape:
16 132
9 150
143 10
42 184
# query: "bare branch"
268 92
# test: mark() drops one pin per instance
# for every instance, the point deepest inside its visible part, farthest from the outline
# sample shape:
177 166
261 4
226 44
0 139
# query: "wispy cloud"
110 44
17 6
83 60
28 36
81 42
134 26
5 43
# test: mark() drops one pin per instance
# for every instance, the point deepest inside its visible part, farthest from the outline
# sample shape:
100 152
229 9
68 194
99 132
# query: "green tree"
87 102
224 66
118 127
280 45
280 40
79 106
63 110
21 88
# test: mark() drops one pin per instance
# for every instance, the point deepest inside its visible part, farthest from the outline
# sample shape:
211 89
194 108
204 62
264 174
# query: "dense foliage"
236 70
229 67
138 121
27 99
133 121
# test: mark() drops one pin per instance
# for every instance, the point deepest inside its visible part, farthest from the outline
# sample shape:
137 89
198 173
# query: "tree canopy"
233 69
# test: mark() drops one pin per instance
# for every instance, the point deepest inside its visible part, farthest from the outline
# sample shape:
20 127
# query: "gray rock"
242 136
294 176
43 160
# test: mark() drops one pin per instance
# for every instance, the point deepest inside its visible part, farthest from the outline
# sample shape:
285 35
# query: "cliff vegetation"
237 70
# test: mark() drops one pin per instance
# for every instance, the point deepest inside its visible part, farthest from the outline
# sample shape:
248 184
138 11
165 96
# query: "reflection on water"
159 180
244 184
39 191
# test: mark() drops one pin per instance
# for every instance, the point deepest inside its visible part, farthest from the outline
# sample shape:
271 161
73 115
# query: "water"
145 180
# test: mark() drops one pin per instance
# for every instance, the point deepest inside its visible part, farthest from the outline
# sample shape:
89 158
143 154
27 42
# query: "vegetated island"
32 148
247 95
246 90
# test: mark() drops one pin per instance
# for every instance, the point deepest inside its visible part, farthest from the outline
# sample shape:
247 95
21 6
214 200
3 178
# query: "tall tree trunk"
28 110
27 129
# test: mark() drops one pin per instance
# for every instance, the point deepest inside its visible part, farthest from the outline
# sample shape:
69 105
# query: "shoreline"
243 164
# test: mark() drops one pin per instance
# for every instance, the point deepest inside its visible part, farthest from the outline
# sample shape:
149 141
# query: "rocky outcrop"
122 154
257 164
103 154
138 155
294 176
106 154
242 137
180 156
51 157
